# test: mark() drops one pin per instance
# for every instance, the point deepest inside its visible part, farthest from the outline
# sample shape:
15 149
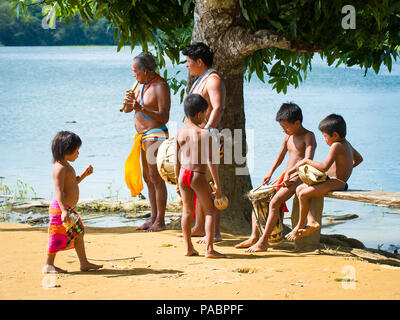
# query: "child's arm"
311 145
59 178
278 160
286 180
177 166
214 151
322 166
87 172
357 158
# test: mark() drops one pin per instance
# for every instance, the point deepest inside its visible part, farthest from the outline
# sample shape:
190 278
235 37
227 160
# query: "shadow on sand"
114 273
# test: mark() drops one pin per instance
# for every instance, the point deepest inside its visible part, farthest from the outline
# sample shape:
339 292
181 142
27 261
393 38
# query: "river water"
47 89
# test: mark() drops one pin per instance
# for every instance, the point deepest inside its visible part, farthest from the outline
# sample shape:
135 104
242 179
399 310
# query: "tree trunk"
237 218
212 19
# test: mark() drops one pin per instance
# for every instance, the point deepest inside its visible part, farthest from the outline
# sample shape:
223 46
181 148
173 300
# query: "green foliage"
282 67
168 26
27 29
374 42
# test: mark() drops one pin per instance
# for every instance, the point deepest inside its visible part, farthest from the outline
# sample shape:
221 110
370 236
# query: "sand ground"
161 271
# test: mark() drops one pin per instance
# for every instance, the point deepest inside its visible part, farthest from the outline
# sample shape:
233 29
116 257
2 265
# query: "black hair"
65 142
333 123
199 50
289 112
193 104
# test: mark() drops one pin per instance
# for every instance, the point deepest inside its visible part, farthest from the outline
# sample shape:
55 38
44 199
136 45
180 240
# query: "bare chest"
296 145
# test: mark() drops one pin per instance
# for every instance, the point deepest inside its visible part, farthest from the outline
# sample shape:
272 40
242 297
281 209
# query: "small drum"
310 175
260 198
166 159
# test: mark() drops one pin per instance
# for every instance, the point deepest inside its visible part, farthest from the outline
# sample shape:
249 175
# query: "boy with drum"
196 150
300 144
338 165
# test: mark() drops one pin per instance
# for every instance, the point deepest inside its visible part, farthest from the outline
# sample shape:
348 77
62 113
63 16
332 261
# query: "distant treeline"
27 30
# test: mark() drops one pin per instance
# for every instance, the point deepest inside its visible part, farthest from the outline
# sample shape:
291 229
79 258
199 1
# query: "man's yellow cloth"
133 170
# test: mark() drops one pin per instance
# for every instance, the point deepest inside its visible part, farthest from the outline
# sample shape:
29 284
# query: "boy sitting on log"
338 165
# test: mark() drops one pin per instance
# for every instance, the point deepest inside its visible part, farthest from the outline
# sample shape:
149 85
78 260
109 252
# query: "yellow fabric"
133 170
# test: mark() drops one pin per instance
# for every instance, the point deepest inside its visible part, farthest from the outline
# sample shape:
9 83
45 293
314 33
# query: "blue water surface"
47 89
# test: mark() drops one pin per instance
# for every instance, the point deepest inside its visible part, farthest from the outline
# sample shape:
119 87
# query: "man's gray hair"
146 61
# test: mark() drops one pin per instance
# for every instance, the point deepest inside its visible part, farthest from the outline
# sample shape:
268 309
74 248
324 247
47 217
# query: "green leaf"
317 9
277 25
275 68
182 95
186 7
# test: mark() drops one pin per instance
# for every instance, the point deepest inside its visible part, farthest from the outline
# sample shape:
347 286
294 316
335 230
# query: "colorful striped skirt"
62 236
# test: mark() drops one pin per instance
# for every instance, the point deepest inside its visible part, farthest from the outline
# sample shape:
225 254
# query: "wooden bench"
311 242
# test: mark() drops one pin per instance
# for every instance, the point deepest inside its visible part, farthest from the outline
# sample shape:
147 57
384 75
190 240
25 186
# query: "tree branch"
244 41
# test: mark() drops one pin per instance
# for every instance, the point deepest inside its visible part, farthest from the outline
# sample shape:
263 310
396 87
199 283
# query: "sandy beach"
152 266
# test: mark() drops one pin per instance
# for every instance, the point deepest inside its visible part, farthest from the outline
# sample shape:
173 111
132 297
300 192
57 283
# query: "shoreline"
139 210
151 266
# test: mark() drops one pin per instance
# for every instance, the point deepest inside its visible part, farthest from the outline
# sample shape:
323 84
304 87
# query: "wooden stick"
117 259
276 185
132 90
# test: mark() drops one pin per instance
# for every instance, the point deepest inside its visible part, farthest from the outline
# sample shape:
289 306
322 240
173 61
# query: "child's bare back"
342 166
195 149
192 142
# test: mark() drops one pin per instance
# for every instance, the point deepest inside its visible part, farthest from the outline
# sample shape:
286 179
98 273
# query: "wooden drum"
260 198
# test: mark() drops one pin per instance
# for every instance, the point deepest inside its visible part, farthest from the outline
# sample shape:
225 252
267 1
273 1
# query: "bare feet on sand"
191 252
90 266
180 235
194 233
156 226
145 225
247 243
52 269
258 247
293 235
214 254
217 238
308 229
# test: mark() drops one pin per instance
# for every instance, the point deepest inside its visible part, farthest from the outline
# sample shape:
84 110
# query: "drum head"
261 192
166 158
166 161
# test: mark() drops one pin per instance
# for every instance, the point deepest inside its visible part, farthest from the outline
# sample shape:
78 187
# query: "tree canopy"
26 30
309 25
273 39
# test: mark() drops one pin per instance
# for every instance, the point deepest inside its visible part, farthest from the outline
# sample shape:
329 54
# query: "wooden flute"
130 95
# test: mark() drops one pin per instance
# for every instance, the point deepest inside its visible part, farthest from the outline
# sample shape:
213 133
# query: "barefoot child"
196 150
66 229
338 165
299 143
